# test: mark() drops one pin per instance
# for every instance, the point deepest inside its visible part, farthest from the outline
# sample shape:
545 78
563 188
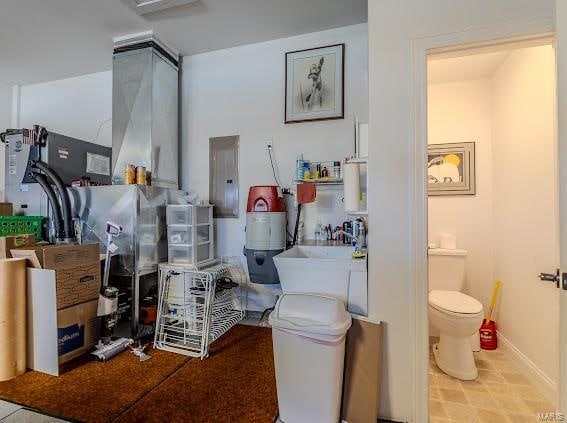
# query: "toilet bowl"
457 316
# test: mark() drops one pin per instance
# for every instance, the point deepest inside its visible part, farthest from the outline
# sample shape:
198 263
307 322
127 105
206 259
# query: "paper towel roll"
448 242
351 179
12 318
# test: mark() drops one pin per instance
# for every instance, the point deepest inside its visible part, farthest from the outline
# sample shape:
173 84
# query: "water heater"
265 233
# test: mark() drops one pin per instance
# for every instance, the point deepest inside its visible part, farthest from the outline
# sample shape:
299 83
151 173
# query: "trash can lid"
310 313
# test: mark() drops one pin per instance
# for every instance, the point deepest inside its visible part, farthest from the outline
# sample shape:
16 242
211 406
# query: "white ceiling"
42 40
465 68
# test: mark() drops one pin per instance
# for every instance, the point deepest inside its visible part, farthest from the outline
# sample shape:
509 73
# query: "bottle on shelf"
318 230
299 168
337 170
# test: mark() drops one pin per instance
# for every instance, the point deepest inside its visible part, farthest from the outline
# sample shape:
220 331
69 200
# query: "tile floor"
501 394
13 413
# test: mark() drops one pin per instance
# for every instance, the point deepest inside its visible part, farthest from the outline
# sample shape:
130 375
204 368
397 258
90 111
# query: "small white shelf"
358 213
323 181
358 160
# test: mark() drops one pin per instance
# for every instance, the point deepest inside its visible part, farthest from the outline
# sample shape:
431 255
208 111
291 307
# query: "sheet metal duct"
145 108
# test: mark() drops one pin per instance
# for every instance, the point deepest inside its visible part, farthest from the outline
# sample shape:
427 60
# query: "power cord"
99 128
270 148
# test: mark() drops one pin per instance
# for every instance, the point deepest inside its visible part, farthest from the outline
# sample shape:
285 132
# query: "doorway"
493 215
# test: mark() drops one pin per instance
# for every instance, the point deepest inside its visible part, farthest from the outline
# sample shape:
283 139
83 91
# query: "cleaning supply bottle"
336 170
318 230
299 168
362 235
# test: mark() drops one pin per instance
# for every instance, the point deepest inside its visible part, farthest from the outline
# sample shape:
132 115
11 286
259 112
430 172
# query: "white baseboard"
530 370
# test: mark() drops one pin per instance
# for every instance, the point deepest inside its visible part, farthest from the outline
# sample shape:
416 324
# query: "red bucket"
488 340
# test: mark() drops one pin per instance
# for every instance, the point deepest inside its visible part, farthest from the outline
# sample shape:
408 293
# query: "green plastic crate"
22 225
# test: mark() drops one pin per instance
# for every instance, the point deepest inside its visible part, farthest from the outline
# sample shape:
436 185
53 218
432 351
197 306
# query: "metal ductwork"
145 108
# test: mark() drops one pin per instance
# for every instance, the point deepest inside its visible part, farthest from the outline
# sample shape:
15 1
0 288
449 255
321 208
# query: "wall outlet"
270 143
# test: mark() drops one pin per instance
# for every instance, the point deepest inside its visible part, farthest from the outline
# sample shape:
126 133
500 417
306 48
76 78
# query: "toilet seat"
455 303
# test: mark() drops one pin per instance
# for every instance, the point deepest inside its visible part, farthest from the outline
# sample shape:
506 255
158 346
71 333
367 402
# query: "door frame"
421 48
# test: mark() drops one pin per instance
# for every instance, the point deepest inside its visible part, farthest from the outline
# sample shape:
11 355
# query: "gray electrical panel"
223 175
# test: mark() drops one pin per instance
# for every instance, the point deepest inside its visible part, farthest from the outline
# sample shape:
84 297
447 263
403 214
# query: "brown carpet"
235 384
94 392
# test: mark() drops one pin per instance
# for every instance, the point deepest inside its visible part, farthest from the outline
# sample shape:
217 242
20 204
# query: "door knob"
551 277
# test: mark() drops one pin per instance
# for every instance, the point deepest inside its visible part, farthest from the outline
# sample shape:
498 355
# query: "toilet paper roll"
351 180
448 242
12 318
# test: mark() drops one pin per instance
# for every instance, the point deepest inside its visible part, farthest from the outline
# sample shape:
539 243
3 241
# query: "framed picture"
451 169
314 84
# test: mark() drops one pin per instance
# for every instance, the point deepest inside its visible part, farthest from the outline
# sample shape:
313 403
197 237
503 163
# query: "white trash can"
309 347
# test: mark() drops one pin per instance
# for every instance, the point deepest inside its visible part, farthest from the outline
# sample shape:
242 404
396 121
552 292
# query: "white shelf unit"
193 311
190 236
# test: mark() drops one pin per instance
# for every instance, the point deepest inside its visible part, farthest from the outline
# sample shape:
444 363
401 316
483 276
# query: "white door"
525 212
561 52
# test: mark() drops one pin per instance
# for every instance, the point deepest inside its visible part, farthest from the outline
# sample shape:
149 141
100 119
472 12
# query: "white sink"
325 270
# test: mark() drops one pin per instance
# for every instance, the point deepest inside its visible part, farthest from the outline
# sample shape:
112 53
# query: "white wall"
76 107
525 205
240 91
394 27
461 112
5 122
5 106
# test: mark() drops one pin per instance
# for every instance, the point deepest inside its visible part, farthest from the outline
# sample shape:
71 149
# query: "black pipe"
294 241
41 179
69 228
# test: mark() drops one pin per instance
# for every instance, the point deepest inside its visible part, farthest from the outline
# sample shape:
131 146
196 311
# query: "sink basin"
342 256
325 270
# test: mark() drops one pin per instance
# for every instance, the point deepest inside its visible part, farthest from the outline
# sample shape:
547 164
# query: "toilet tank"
446 269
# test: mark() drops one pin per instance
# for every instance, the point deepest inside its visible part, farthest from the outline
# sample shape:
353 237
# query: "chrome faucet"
357 246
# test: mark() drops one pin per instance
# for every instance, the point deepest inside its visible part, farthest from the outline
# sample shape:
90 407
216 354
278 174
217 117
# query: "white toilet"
457 316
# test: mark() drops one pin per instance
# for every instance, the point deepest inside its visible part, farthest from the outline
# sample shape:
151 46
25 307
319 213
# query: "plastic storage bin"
22 225
179 234
179 215
183 254
309 347
190 234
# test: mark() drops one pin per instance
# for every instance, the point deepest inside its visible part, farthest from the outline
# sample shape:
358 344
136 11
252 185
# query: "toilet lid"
454 302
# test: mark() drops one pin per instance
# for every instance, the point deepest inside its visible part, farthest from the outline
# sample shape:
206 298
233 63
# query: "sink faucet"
357 246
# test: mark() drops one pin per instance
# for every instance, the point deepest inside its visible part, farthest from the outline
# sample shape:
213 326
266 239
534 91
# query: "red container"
265 199
306 193
488 340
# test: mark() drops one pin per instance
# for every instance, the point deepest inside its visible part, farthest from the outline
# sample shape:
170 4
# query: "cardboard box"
6 209
8 243
363 372
75 268
76 330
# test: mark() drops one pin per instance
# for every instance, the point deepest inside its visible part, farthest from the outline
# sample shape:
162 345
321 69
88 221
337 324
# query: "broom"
493 300
488 340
